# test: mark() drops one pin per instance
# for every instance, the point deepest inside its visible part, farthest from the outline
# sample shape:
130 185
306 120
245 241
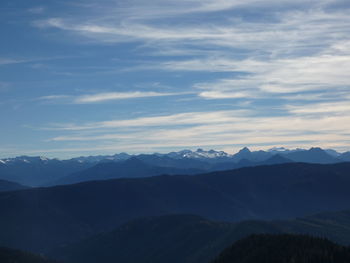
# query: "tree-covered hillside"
16 256
284 249
191 239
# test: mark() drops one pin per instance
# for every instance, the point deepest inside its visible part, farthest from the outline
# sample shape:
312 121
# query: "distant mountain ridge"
244 153
152 165
41 171
130 168
37 171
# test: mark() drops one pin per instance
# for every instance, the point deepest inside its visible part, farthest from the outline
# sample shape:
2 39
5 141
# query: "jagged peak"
316 149
244 150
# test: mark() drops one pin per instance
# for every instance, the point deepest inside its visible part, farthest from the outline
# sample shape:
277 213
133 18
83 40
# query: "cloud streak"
209 129
287 53
289 32
9 61
104 97
254 72
109 96
187 118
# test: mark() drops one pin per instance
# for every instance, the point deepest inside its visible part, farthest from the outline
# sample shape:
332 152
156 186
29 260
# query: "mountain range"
39 219
41 171
185 206
130 168
36 171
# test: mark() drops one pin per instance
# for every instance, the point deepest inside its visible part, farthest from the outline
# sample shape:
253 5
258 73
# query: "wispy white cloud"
289 32
53 97
105 97
37 10
212 94
323 74
296 52
108 96
329 108
188 118
8 61
287 53
207 129
17 60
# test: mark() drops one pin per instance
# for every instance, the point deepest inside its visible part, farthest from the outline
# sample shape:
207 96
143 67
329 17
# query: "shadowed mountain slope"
37 171
39 219
131 168
313 155
192 239
10 186
345 156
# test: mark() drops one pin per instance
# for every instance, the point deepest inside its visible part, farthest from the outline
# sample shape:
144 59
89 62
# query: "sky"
87 77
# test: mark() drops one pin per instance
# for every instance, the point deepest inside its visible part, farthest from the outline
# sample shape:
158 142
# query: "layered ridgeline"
40 171
36 171
192 239
42 218
284 248
131 168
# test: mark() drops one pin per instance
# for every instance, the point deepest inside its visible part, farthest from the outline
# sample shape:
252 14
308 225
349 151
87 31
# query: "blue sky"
100 77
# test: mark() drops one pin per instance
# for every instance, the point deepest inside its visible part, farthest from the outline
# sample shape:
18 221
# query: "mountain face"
37 171
314 155
274 159
42 218
198 154
131 168
246 154
345 156
191 239
181 163
152 165
10 186
284 248
101 158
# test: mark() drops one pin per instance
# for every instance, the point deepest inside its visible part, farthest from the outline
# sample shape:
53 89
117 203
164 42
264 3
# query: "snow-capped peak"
24 159
282 150
42 158
277 149
200 153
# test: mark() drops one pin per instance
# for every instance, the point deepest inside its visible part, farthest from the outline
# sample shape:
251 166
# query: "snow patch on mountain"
283 150
198 154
